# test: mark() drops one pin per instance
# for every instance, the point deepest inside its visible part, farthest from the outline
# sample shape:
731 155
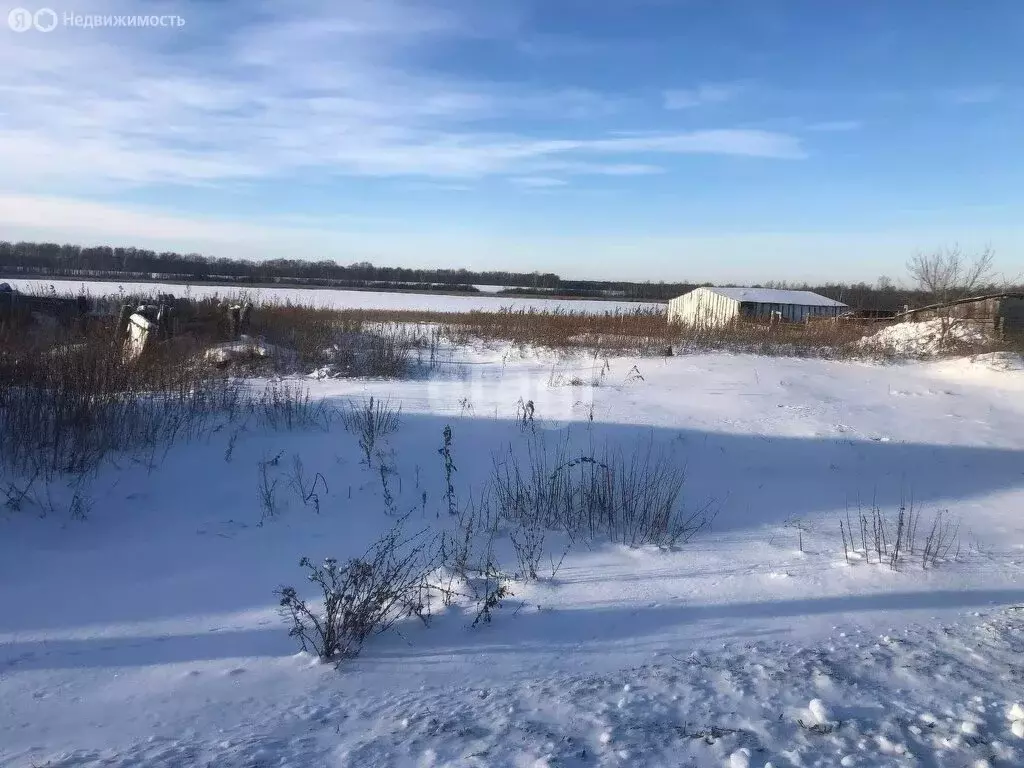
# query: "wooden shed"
719 306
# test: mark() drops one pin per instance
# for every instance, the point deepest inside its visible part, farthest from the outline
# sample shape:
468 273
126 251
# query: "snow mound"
1016 717
819 712
926 338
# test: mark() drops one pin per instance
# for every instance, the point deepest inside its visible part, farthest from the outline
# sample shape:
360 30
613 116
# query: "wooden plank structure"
70 313
1004 311
139 327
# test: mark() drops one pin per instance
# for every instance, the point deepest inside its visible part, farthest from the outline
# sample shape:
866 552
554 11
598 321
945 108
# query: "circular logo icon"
20 20
45 20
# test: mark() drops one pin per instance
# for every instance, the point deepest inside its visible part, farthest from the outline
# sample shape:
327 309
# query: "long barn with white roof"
713 306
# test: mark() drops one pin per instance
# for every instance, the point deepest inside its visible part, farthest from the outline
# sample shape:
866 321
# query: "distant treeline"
110 263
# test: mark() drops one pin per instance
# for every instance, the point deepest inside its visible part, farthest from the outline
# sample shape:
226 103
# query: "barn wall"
702 307
794 313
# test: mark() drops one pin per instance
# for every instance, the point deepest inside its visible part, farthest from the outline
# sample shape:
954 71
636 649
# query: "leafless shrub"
266 489
528 543
366 596
16 493
825 338
942 539
450 469
229 451
644 331
494 590
371 421
471 568
629 498
799 525
633 376
306 488
287 406
893 538
525 412
81 505
457 553
386 471
345 342
642 499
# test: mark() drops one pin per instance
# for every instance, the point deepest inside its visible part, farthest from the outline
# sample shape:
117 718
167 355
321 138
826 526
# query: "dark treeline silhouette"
96 262
115 263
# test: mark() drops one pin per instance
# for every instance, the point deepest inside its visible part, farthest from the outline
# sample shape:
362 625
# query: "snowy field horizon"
333 298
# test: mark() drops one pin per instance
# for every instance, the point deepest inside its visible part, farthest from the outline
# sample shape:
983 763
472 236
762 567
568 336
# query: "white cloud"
836 126
538 182
979 94
103 222
604 169
752 143
708 93
312 89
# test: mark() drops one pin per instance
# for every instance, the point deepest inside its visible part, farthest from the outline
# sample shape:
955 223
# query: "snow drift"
927 338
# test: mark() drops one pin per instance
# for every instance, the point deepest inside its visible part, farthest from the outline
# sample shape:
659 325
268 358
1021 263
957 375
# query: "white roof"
776 296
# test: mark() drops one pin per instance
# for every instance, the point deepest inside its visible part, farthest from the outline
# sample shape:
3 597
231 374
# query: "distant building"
719 306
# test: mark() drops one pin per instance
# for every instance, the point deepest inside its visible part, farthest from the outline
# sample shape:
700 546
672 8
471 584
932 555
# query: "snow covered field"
332 298
147 635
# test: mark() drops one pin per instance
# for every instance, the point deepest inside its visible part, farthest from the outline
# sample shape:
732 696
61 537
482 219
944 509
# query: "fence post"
235 320
122 323
244 316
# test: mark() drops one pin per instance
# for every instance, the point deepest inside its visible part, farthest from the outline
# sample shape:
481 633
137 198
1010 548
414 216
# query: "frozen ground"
147 635
329 297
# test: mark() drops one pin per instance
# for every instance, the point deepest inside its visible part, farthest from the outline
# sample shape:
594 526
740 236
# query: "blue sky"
632 139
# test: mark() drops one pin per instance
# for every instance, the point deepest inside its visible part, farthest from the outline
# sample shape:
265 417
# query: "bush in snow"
445 451
470 565
285 406
628 497
895 539
363 597
371 421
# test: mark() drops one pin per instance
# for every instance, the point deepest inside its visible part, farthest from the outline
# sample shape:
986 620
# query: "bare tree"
948 274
